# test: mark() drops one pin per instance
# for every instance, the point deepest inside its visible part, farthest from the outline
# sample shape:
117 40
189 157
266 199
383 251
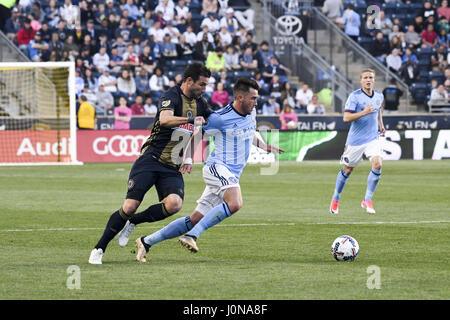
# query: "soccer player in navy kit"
364 110
233 128
180 109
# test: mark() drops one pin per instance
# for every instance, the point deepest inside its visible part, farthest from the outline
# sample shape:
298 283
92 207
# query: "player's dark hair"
244 85
195 70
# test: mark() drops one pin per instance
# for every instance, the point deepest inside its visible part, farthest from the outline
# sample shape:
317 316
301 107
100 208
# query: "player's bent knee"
173 203
129 208
234 205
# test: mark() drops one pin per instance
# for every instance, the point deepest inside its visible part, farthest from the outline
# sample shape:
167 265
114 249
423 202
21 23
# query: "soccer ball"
345 248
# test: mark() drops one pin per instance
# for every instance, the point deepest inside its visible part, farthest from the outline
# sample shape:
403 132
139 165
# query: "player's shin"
174 229
341 179
213 217
372 182
153 213
115 223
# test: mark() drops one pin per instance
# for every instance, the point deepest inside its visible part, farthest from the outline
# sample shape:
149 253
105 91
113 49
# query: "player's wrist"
188 160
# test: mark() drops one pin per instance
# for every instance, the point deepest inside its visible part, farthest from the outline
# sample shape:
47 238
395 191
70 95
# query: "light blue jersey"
365 129
233 137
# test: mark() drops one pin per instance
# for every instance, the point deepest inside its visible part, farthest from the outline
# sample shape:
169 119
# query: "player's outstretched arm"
258 141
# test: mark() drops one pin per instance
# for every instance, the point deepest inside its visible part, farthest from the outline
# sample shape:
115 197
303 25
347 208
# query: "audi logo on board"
118 145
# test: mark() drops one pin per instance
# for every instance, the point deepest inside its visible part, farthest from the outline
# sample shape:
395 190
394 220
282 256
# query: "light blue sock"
372 182
213 217
174 229
340 183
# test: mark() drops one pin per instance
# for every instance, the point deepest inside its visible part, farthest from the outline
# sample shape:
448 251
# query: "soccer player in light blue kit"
233 128
364 110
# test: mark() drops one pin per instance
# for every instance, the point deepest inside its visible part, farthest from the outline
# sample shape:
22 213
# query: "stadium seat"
419 91
389 8
436 75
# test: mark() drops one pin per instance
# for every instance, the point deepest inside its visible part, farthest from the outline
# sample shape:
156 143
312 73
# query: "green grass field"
276 247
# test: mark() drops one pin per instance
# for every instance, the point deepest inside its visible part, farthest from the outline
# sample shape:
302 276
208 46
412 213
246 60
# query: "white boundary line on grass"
249 225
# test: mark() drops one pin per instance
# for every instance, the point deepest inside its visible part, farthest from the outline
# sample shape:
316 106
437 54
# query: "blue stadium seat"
420 91
424 64
389 8
436 75
424 53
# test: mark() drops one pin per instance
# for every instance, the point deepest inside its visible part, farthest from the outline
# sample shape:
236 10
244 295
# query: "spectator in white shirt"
225 37
205 29
150 108
70 14
101 59
109 81
212 23
156 32
229 21
167 8
190 36
182 11
394 61
303 97
158 82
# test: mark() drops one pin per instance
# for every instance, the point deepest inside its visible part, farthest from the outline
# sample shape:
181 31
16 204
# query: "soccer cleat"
124 235
142 250
334 207
368 206
188 242
96 256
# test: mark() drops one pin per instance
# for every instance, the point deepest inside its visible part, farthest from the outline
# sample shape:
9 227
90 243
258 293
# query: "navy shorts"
148 172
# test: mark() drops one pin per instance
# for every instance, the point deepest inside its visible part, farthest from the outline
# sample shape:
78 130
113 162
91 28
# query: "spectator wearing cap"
212 23
108 81
271 106
70 13
215 60
394 61
229 21
12 25
25 35
37 48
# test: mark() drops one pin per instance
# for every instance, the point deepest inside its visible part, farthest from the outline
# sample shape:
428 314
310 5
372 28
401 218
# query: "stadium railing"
9 51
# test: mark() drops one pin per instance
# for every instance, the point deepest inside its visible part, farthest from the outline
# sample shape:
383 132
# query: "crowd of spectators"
138 49
410 37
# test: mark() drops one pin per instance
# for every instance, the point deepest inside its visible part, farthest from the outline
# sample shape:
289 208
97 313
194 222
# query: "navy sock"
153 213
115 223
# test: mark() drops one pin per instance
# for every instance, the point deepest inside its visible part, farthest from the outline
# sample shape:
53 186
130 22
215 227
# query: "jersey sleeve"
350 105
168 101
214 124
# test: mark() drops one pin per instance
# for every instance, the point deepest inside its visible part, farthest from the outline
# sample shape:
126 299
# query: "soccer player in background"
233 128
160 161
364 110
